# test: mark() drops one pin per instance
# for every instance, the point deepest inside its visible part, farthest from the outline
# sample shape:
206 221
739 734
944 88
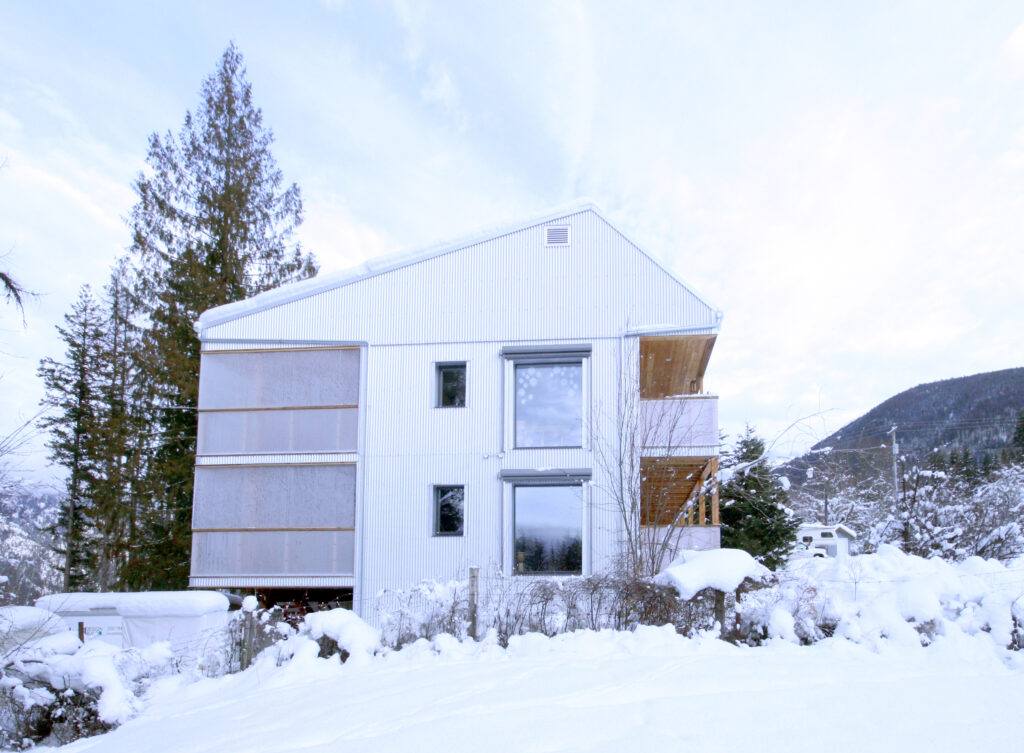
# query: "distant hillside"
27 559
977 413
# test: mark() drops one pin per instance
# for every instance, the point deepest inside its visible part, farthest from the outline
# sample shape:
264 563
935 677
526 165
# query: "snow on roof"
79 602
390 262
179 603
146 604
721 569
818 527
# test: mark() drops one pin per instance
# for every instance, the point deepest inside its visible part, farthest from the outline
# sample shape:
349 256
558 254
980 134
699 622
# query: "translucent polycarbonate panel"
265 431
548 529
283 496
549 404
279 378
272 552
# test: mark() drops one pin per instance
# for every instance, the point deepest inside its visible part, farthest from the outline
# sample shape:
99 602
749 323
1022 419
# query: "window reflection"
548 529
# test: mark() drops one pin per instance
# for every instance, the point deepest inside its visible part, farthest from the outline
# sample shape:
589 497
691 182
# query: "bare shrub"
424 611
560 605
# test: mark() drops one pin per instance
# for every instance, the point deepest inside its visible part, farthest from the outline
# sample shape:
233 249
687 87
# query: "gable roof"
382 264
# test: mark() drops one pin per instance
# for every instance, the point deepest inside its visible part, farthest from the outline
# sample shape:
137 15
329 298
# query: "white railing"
674 424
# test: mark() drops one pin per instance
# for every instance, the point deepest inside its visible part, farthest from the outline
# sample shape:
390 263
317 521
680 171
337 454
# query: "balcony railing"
679 425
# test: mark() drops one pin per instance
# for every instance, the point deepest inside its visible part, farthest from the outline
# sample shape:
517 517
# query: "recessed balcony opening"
679 491
673 366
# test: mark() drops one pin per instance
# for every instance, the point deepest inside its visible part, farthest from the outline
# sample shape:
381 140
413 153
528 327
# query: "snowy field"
919 659
648 691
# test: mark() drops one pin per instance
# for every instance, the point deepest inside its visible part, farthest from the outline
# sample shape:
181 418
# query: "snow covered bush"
888 596
55 688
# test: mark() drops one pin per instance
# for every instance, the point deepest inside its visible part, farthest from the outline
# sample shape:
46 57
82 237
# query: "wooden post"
474 600
702 516
81 632
714 492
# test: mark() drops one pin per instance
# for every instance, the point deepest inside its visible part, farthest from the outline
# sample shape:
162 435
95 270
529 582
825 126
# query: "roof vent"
556 235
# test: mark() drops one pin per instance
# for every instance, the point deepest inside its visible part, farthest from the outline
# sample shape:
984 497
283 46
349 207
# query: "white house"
423 414
832 541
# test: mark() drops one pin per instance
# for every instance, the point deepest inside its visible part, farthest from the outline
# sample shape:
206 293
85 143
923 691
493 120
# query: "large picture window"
548 524
549 404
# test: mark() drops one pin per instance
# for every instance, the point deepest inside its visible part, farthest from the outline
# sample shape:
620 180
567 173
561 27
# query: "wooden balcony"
679 491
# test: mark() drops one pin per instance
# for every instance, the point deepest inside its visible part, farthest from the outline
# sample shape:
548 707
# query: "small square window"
451 385
449 509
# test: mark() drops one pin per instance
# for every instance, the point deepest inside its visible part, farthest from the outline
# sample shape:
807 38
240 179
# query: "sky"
844 180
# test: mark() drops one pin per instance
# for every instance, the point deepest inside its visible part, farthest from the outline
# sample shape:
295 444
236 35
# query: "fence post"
720 613
474 599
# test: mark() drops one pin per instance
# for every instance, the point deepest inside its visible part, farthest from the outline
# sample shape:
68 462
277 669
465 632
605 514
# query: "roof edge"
379 265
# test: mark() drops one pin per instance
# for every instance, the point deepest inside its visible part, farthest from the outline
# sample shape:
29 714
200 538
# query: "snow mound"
350 633
890 597
721 569
42 621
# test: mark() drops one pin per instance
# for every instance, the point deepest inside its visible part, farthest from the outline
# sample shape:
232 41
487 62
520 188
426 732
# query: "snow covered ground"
648 691
918 662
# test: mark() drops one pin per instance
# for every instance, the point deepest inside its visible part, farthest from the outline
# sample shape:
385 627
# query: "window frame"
439 366
513 479
436 498
546 355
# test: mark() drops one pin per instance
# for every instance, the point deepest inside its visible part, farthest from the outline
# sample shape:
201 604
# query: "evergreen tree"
213 224
754 515
122 433
73 395
1017 443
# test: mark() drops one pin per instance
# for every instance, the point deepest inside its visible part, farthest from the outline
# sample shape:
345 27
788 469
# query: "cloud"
440 89
1013 47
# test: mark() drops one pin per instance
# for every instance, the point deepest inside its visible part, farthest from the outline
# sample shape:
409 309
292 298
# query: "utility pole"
895 456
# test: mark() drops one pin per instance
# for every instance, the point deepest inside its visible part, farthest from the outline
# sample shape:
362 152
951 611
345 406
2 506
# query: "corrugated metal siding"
412 446
512 288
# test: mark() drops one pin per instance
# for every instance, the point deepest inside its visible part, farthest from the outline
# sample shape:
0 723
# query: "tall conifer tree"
214 223
74 398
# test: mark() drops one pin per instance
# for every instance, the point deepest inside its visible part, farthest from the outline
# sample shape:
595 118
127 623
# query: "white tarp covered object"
20 625
187 619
